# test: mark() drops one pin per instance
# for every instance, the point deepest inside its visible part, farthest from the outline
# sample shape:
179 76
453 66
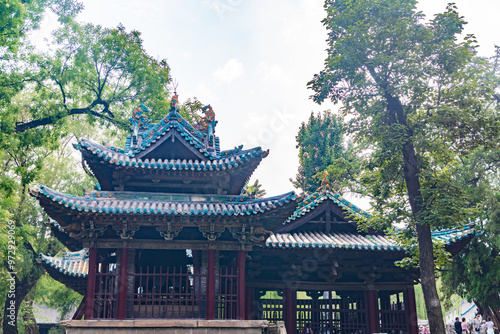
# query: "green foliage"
420 102
409 85
97 72
191 110
474 274
57 330
91 76
321 146
254 190
56 295
17 17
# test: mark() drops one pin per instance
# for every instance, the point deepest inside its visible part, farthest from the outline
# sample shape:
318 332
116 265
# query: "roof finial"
325 183
175 98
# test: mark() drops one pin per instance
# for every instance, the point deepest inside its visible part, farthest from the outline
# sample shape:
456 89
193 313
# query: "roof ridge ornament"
173 103
139 118
325 183
207 125
175 99
207 120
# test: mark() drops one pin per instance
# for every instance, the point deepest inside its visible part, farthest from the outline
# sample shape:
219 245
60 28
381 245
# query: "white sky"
251 60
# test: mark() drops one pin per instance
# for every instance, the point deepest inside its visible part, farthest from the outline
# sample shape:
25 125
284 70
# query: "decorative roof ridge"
467 227
236 149
319 196
202 136
448 235
122 159
177 122
290 194
325 191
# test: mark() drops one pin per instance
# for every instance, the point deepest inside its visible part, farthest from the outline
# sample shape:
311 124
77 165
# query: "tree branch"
25 126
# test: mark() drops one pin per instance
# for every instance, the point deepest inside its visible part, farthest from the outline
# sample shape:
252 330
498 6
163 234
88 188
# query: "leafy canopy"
321 145
405 82
419 100
94 71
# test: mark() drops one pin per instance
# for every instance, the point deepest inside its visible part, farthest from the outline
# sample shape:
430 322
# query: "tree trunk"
29 321
428 280
11 307
18 291
425 245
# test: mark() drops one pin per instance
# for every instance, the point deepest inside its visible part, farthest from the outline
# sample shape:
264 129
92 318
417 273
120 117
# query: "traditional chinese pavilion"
168 242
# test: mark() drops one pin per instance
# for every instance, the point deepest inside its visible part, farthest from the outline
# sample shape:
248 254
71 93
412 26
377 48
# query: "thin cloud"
232 70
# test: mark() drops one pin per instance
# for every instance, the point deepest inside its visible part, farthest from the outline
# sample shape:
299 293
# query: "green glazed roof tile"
163 204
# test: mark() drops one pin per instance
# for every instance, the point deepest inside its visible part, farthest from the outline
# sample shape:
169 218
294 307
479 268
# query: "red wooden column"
89 296
241 284
372 309
122 285
211 285
249 302
290 310
412 310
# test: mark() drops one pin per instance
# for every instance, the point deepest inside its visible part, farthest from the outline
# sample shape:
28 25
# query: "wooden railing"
393 315
226 295
169 293
105 295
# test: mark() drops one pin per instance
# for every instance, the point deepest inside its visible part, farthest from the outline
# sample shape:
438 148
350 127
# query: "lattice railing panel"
226 293
167 292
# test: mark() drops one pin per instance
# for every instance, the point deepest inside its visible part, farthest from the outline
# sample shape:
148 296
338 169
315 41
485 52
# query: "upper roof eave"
194 205
118 158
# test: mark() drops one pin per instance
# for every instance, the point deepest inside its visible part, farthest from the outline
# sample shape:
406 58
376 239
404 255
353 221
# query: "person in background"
490 328
465 326
476 324
458 326
483 327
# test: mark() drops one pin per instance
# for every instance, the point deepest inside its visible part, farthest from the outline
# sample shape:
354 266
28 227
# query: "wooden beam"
372 310
412 310
89 298
122 284
163 244
250 303
336 286
290 310
80 311
210 307
151 184
241 284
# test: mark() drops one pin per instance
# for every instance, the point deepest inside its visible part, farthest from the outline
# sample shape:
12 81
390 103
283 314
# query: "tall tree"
474 273
17 18
415 93
93 71
91 74
321 144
